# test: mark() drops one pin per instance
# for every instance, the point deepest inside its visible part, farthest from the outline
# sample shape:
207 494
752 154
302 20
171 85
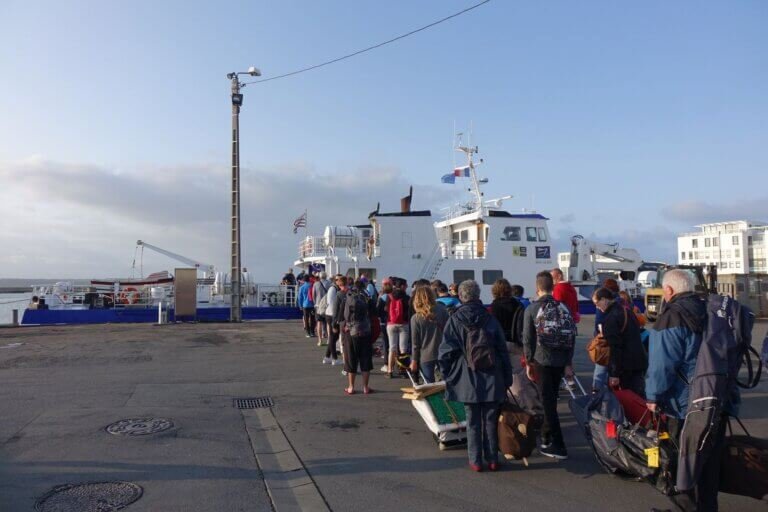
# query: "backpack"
479 347
714 386
322 306
396 311
356 314
555 328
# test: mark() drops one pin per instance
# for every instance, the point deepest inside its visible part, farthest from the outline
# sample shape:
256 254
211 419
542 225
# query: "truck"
705 284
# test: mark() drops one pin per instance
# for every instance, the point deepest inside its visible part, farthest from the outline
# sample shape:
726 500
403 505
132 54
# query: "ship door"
480 240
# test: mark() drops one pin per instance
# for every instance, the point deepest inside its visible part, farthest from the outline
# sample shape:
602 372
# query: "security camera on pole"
236 312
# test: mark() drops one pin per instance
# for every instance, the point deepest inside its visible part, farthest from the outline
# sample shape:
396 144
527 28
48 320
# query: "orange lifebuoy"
129 295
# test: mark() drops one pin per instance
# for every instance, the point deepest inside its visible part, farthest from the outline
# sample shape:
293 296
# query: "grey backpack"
356 314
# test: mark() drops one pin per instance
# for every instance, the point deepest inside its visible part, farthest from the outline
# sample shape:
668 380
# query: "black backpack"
479 348
356 314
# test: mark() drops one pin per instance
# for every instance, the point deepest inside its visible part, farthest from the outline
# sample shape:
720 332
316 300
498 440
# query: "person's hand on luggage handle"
651 406
529 372
613 382
569 371
414 366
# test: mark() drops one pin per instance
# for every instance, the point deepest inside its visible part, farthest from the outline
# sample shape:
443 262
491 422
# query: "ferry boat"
476 239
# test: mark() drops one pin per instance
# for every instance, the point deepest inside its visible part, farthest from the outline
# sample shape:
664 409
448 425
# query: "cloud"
568 218
82 220
698 212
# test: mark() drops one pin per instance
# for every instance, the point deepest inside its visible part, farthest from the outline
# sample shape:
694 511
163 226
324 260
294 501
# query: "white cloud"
82 220
698 212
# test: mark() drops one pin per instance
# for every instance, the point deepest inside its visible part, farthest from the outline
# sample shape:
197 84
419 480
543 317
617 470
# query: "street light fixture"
235 307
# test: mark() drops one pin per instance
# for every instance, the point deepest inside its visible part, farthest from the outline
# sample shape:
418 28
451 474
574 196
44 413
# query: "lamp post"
235 307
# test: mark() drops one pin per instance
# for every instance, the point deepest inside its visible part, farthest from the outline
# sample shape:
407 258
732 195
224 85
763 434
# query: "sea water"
11 301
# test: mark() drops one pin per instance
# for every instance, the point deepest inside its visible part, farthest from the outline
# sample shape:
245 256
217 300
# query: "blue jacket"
462 383
302 299
672 350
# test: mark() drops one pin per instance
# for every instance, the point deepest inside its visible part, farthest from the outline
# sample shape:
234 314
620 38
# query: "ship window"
407 240
464 236
491 276
511 234
455 237
459 276
542 235
530 234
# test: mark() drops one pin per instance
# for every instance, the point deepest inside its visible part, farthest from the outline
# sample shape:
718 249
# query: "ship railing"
471 250
275 295
312 246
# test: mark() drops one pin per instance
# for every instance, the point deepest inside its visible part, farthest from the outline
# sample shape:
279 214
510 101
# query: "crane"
588 258
207 268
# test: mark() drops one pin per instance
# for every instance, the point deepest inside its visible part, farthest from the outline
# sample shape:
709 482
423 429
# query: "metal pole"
235 314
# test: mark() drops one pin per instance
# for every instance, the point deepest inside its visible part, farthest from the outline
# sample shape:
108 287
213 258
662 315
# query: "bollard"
15 317
160 313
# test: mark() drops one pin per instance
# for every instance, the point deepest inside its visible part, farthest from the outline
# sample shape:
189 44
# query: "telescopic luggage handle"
569 387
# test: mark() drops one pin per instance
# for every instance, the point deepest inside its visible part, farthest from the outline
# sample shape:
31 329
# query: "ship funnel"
405 203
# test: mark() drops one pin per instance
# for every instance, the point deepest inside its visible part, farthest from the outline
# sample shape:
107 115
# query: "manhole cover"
90 497
139 426
254 403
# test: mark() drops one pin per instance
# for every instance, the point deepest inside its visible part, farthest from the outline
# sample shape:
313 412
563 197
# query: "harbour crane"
588 258
207 268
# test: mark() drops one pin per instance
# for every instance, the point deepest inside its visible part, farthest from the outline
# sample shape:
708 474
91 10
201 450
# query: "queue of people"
450 335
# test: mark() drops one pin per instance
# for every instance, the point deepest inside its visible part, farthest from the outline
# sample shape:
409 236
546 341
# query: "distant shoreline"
15 289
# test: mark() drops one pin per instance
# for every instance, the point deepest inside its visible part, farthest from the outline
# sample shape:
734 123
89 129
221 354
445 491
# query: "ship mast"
475 188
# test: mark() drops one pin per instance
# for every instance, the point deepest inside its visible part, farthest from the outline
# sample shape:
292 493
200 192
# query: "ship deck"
315 449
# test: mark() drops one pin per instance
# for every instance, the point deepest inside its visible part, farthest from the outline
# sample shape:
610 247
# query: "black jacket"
505 309
627 351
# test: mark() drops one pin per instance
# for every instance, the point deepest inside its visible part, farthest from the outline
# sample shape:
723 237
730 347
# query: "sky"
625 122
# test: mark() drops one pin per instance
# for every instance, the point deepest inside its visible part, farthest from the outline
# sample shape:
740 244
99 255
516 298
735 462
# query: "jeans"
399 338
428 370
333 337
482 432
549 379
600 377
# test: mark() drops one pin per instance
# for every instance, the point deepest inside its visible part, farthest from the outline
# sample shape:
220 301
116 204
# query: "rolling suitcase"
445 419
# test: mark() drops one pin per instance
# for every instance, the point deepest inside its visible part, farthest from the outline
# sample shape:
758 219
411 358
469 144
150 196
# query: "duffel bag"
744 466
517 431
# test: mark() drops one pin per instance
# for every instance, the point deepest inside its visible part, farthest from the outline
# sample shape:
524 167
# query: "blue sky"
624 121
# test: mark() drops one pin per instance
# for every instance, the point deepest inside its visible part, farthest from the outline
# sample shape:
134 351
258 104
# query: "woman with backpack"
398 326
427 326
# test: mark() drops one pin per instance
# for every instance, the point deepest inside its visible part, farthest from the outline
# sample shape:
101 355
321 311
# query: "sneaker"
307 335
545 443
555 452
328 360
385 369
344 372
319 343
336 362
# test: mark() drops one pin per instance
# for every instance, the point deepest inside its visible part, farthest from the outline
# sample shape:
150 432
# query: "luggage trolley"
446 419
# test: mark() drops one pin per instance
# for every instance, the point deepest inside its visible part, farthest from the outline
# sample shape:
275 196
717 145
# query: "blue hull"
118 316
587 307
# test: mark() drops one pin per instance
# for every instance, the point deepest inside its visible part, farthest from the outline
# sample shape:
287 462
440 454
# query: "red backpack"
396 312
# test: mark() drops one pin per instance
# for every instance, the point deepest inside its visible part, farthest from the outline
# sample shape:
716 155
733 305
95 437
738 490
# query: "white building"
738 247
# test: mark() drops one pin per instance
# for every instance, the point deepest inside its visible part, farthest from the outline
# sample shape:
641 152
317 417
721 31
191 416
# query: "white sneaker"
336 362
319 343
344 372
327 360
385 368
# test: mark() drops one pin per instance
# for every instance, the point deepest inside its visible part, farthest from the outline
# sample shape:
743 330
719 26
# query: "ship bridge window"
511 234
542 235
491 276
464 236
530 234
459 276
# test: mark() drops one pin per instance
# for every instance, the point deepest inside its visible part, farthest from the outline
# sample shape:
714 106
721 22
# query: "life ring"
369 247
129 295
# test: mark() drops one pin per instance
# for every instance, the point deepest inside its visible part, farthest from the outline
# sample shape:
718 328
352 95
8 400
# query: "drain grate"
139 426
90 497
254 403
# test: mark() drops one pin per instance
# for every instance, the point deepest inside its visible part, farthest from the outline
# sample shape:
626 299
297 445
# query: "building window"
715 242
735 239
542 235
707 242
730 264
491 276
459 276
690 255
739 286
738 264
737 253
530 234
682 255
695 243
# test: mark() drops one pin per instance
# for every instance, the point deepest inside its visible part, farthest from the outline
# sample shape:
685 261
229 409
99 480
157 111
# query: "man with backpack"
475 363
549 335
356 329
319 291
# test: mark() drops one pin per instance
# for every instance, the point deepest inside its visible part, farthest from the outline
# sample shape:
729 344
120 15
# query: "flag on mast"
300 222
462 171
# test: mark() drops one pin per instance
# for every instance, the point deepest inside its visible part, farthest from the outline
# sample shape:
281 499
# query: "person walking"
356 330
427 326
335 292
319 290
565 293
398 323
475 364
548 341
304 301
674 347
628 360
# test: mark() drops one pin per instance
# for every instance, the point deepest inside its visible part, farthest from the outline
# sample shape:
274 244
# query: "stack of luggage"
446 419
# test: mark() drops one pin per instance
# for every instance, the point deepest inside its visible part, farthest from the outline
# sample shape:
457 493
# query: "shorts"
358 351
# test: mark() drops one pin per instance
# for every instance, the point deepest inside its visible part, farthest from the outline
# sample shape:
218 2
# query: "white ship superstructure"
474 240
